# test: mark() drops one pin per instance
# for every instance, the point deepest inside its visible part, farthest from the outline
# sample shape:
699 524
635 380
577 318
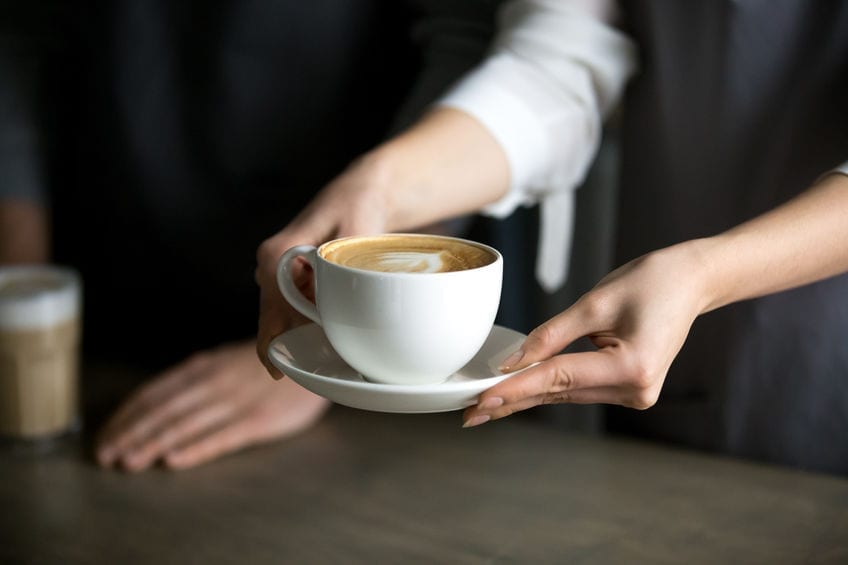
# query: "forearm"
446 165
27 44
800 242
24 232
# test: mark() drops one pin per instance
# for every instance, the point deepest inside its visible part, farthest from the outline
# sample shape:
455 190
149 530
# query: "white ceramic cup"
397 327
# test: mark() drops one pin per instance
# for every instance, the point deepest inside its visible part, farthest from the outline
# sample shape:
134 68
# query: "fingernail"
490 403
476 421
512 360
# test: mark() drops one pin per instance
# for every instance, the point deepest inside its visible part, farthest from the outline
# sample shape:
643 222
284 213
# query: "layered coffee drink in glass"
39 351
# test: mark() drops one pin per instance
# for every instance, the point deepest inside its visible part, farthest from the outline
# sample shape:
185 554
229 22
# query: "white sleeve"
843 168
555 71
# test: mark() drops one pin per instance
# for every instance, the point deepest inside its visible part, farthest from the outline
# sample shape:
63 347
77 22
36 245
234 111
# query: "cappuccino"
402 309
403 253
39 343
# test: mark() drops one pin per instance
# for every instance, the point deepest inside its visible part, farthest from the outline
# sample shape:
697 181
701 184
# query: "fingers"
223 440
554 380
272 317
482 413
178 432
271 304
146 408
226 403
155 407
555 335
283 411
611 375
275 315
351 204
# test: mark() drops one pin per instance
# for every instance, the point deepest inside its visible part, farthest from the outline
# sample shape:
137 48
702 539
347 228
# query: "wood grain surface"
377 488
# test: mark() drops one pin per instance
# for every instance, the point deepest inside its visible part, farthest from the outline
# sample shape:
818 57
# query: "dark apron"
738 107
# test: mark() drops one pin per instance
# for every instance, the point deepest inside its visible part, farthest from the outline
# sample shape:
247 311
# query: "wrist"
381 185
446 165
694 263
703 262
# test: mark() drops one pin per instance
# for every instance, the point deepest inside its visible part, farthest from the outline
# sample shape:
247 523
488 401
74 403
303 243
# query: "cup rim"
45 307
498 257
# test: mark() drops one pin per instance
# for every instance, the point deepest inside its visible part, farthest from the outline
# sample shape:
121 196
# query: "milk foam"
51 298
407 254
409 261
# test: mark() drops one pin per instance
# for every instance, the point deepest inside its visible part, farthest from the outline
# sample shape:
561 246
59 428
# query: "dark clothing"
739 106
190 132
185 133
177 136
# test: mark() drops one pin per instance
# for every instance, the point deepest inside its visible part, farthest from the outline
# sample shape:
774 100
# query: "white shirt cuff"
554 73
518 129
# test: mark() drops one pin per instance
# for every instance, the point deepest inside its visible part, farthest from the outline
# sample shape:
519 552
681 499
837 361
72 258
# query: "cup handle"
286 282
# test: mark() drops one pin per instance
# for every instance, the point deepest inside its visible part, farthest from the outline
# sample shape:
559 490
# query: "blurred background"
161 142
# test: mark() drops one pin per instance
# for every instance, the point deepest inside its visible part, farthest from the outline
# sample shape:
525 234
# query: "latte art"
407 309
406 262
407 254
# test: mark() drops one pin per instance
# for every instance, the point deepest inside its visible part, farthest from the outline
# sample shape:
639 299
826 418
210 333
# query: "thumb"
549 339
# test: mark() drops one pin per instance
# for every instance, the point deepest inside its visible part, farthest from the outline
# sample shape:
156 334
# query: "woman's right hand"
350 205
446 165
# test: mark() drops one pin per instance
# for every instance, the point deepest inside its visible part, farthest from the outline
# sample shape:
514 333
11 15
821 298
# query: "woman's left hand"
637 317
214 403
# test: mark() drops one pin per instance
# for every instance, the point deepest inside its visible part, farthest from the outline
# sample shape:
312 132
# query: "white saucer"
305 355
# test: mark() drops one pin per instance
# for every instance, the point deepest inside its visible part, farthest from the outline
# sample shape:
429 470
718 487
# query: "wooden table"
378 488
363 487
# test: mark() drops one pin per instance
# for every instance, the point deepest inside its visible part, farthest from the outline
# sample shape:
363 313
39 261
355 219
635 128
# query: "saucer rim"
445 386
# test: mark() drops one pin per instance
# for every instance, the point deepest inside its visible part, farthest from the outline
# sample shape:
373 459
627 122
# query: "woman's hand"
350 205
637 317
215 403
446 165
